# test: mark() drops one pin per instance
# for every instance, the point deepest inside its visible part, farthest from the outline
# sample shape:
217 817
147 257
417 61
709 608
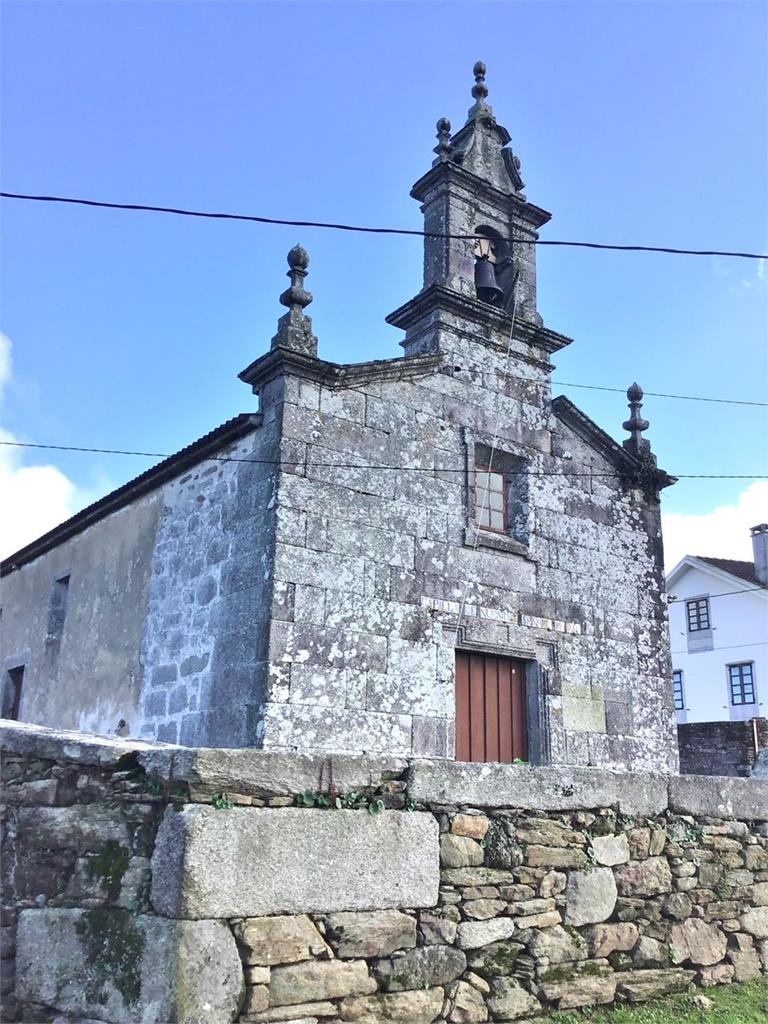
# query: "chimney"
760 549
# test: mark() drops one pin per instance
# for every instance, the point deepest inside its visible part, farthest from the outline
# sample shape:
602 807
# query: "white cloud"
34 498
721 533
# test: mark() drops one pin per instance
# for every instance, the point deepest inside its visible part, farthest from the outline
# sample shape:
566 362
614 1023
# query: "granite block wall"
164 884
205 634
381 573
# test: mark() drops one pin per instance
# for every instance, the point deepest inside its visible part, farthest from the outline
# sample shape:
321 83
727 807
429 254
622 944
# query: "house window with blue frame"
742 683
677 689
697 612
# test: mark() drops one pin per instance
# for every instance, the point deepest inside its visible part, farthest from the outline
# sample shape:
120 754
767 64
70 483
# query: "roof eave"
231 431
692 562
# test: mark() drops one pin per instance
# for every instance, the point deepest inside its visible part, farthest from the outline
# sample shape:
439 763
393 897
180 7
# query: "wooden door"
490 708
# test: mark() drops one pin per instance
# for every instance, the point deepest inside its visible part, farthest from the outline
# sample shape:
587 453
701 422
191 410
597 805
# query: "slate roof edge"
175 464
701 563
724 563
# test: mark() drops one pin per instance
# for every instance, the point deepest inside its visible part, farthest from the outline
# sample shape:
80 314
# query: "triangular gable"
633 468
721 576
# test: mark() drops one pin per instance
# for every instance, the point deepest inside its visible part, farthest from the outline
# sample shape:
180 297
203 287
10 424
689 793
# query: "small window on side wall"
12 687
57 608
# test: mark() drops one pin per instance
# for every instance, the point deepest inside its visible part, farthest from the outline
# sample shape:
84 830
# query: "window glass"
490 503
742 683
677 689
500 492
697 612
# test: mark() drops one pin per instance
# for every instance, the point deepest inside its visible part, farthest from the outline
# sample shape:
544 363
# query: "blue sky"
635 123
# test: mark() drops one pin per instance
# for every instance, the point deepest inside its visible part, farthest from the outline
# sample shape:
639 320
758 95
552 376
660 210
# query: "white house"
718 623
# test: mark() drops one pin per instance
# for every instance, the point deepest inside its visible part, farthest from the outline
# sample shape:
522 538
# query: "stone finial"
479 89
294 329
479 93
636 443
296 295
443 147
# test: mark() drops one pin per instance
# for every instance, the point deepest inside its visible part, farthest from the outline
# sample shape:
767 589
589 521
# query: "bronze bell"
486 285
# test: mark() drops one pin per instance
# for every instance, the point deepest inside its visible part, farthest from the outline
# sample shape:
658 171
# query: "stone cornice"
283 361
438 297
452 174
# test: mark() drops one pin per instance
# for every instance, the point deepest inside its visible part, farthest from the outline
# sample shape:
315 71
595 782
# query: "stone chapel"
423 556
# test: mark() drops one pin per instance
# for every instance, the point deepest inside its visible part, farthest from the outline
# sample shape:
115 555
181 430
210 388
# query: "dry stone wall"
153 883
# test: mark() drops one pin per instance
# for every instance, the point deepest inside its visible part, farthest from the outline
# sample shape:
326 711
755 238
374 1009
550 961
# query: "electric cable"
724 593
358 465
655 394
727 647
494 442
181 212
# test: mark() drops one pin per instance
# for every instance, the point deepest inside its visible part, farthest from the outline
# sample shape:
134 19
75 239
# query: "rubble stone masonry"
144 882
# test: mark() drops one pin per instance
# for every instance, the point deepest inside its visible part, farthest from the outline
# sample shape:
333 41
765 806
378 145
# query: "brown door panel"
490 708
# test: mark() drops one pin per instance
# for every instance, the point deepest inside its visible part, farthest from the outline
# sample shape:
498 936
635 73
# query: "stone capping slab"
37 741
541 789
222 769
250 862
272 773
718 796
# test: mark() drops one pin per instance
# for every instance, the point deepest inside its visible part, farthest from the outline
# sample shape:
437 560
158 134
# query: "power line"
623 391
421 234
487 491
728 647
724 593
252 218
657 394
358 465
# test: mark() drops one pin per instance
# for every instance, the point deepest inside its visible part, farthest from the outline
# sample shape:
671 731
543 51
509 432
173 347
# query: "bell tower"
479 260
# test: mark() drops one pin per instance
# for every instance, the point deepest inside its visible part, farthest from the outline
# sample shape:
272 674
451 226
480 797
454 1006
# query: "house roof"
743 570
728 571
216 439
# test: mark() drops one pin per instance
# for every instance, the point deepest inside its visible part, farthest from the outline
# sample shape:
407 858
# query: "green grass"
734 1004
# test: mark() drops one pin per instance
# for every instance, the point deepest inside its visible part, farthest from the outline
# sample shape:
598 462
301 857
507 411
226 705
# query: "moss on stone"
559 974
592 970
114 947
604 826
498 960
500 850
619 960
109 865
